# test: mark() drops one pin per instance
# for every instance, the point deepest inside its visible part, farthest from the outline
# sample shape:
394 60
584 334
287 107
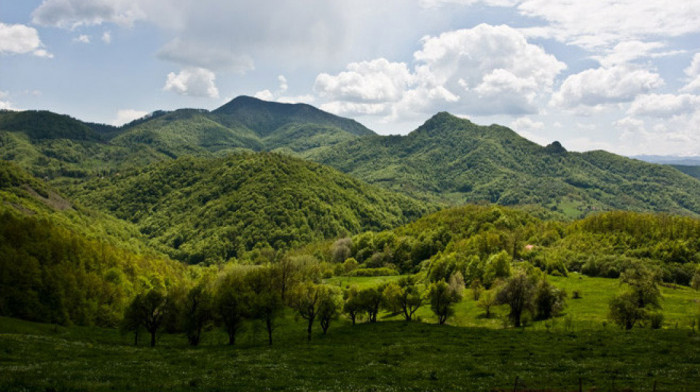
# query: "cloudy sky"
620 75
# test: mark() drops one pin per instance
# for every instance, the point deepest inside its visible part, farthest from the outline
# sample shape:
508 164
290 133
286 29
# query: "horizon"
623 77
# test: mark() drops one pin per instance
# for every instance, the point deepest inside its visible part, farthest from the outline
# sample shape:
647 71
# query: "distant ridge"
265 117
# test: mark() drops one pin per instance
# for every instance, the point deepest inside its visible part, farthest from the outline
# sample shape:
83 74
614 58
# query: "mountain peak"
264 117
555 148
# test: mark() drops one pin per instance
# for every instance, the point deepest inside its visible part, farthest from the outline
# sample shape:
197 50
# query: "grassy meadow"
473 353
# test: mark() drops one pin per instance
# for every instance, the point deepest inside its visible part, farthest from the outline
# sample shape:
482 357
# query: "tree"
370 300
352 306
517 292
642 294
197 312
442 299
403 296
341 249
266 303
132 320
148 311
306 300
329 307
231 304
549 300
477 289
486 301
624 311
497 266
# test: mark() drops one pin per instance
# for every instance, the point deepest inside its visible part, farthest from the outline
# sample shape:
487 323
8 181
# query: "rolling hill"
449 159
215 209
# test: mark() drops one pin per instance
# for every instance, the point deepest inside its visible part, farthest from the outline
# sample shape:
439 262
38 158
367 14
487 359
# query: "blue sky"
623 76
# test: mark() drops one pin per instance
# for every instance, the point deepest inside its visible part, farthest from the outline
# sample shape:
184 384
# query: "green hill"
693 171
452 160
265 118
63 263
216 209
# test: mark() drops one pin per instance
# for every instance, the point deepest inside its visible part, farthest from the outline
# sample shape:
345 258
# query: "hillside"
215 209
693 171
54 146
452 160
63 263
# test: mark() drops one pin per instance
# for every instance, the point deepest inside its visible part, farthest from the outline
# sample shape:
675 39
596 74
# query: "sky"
618 75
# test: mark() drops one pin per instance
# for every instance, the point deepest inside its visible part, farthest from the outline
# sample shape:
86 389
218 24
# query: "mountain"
447 160
53 146
215 209
265 118
693 171
452 160
64 263
669 159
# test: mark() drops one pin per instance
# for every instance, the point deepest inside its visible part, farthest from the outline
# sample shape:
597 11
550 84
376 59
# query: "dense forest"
213 210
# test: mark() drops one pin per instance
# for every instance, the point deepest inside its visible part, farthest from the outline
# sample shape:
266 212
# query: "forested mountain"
453 160
63 263
447 160
215 209
693 171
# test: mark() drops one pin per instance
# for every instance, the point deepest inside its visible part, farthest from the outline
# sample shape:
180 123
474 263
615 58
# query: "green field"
681 305
390 355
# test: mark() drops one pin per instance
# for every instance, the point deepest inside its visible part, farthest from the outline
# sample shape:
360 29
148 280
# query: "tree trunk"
308 329
136 338
153 338
268 322
231 338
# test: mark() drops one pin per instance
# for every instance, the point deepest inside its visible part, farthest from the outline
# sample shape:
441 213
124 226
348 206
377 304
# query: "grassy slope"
680 304
387 356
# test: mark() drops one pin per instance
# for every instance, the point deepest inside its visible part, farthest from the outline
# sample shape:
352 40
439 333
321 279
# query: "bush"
383 271
656 320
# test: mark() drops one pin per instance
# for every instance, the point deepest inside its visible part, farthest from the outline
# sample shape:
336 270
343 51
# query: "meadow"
472 353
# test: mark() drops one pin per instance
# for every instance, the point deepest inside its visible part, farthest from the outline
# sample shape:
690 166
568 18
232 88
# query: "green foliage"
215 210
452 160
518 292
442 298
641 296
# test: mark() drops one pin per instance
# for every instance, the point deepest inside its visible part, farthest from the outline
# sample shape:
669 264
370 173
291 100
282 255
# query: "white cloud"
107 37
601 86
492 68
195 82
483 70
85 39
368 81
205 55
628 51
664 105
439 3
604 23
693 73
526 124
21 39
75 13
125 116
4 104
278 95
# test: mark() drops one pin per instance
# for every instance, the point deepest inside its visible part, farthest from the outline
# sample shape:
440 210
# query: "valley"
266 246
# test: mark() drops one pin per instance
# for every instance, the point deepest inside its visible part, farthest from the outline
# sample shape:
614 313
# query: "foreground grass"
386 356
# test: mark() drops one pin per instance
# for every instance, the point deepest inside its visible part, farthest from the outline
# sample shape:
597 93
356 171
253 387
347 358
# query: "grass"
390 355
386 356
